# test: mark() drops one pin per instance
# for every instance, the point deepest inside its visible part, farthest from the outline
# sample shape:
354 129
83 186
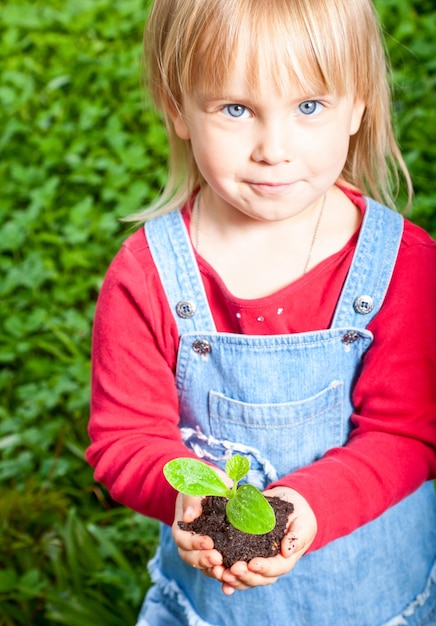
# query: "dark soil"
233 544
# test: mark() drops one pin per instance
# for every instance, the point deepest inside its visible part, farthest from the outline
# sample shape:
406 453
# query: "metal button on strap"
363 304
201 346
185 309
351 337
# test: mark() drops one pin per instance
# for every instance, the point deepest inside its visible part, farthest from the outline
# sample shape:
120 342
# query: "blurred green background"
80 148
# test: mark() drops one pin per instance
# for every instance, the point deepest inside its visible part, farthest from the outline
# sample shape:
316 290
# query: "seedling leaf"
237 467
194 478
250 512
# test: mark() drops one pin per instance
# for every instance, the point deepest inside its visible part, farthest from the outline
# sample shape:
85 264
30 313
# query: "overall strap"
174 257
372 267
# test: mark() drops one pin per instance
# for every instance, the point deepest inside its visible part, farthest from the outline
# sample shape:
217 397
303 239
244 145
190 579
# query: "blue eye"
309 107
235 110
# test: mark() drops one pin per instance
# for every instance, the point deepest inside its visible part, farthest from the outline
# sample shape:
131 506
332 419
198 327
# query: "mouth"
268 188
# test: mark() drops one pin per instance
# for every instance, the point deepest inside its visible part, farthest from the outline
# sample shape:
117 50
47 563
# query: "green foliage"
247 508
409 29
59 569
79 148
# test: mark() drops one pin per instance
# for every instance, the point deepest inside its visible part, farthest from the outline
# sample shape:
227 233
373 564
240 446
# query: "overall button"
201 346
363 304
185 309
351 337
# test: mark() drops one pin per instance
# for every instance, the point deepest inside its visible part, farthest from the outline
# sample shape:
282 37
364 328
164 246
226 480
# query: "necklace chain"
315 234
196 215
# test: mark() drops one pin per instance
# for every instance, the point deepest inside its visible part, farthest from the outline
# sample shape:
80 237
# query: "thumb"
189 508
298 538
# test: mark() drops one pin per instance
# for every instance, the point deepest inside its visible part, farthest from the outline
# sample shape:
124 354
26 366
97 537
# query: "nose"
272 145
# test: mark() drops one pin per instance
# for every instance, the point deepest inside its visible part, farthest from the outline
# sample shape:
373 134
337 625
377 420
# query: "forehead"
254 75
280 47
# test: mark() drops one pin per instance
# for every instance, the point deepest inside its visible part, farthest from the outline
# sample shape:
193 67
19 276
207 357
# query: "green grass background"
80 148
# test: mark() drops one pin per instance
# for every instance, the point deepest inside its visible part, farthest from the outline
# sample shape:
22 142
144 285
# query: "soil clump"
233 544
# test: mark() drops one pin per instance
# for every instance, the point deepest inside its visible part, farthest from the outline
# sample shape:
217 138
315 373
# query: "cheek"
208 160
215 155
327 155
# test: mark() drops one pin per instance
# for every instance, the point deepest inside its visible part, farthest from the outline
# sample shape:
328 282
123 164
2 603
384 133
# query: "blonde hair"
332 46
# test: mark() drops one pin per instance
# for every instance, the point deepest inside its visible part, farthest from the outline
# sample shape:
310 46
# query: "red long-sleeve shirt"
134 406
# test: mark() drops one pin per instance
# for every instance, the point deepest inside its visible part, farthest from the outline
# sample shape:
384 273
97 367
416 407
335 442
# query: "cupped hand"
300 533
196 550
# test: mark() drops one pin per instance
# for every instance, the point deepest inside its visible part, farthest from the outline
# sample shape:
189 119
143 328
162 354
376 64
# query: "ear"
356 116
179 121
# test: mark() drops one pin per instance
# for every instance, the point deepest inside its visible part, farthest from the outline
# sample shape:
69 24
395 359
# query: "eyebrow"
209 98
205 99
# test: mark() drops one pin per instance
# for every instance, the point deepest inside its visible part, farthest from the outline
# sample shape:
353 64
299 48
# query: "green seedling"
247 508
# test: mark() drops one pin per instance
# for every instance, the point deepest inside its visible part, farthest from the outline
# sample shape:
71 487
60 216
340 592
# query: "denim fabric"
283 401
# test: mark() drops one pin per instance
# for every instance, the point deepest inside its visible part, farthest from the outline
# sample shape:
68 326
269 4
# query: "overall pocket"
287 435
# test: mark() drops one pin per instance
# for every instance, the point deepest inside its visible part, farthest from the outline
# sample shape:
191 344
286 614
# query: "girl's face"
264 154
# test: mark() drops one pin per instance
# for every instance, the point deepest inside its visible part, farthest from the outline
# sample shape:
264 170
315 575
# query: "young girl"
270 309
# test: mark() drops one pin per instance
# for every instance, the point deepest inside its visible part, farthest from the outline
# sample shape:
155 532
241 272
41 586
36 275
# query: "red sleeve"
134 407
392 449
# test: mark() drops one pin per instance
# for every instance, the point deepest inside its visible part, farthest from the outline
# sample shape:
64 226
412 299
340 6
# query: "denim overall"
283 401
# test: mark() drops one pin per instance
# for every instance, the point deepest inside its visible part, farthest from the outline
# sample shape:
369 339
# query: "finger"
188 508
190 541
299 538
261 572
240 576
230 583
228 590
291 550
201 559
